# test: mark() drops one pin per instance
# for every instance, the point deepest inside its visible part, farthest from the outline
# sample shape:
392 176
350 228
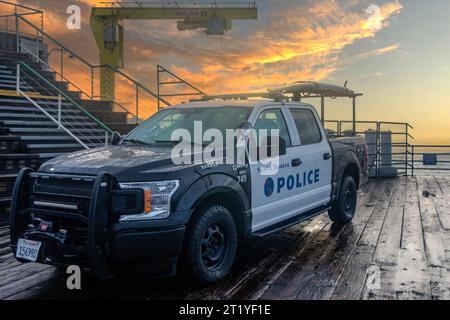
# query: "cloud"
291 41
378 52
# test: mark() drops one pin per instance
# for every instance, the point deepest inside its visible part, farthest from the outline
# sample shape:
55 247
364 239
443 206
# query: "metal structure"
309 90
107 26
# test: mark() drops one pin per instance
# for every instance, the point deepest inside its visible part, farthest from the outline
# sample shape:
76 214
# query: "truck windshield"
159 128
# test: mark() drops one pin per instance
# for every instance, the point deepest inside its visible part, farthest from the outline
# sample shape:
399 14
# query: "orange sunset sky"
399 60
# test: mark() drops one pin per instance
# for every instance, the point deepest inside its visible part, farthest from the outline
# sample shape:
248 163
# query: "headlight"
157 196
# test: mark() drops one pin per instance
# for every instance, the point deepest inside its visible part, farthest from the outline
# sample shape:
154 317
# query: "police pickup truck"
128 205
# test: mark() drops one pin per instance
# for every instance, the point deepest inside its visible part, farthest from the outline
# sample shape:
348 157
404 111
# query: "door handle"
296 163
326 156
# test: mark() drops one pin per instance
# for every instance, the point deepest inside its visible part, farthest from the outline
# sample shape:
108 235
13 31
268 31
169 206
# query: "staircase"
28 137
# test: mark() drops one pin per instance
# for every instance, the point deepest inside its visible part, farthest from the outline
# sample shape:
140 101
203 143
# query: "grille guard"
97 219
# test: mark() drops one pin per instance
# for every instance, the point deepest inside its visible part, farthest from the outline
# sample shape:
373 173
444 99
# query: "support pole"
137 104
59 111
354 116
62 64
17 31
322 109
18 78
157 89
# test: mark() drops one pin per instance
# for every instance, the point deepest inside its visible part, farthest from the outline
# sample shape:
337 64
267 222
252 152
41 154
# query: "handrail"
53 70
126 76
62 93
56 42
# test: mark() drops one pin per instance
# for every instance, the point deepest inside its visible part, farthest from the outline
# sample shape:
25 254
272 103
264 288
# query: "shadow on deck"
399 233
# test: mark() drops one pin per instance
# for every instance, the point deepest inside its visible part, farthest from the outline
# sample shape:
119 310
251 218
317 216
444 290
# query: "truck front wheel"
344 208
210 245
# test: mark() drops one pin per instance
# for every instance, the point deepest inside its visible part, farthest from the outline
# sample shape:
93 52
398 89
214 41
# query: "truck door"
272 189
314 151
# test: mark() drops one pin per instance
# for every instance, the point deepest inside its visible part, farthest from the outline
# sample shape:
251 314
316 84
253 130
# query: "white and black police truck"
128 205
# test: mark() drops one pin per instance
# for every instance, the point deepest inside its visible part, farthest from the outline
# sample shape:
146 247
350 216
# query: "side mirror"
116 138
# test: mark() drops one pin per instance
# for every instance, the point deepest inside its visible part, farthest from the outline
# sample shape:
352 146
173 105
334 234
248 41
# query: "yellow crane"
107 26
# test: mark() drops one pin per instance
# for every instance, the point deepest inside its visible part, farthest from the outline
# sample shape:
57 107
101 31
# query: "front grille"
63 200
66 194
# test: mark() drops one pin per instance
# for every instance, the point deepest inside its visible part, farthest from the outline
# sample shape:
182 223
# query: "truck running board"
291 221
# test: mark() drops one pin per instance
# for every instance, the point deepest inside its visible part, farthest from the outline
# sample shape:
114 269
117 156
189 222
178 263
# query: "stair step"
19 110
49 130
49 123
54 146
37 116
49 156
5 201
8 176
22 100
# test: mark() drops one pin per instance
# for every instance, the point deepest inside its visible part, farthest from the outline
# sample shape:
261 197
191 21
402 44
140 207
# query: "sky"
397 56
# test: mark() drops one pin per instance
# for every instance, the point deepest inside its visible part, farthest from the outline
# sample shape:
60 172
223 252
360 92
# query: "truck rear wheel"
344 208
210 245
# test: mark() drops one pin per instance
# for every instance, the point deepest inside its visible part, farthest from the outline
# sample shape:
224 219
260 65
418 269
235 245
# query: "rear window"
307 126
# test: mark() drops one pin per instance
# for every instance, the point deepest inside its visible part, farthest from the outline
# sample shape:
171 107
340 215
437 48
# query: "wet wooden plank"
372 230
300 278
389 242
436 242
436 239
261 281
353 279
442 200
412 279
329 271
387 249
27 282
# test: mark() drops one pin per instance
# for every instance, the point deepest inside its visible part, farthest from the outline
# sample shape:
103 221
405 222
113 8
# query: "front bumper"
93 239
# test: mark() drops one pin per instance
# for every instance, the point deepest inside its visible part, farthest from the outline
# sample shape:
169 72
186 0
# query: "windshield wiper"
135 141
175 142
167 141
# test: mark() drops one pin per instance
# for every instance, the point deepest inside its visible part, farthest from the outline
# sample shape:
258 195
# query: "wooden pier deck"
398 231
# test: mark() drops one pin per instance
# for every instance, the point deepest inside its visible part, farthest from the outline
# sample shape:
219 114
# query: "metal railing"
179 4
389 144
430 158
391 151
60 108
8 18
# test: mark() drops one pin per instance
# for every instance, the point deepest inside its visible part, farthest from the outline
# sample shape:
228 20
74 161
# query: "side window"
272 120
307 126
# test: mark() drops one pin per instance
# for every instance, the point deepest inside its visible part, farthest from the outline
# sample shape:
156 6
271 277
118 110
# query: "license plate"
28 250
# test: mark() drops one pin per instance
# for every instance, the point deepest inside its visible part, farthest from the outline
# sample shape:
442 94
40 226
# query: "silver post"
18 78
106 138
17 31
59 111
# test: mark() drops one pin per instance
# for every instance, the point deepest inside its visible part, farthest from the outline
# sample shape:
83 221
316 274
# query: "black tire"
210 245
344 208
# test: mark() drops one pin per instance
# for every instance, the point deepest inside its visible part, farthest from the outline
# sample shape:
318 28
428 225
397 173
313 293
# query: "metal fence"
391 148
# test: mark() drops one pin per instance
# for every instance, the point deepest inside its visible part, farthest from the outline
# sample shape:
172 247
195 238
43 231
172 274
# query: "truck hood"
116 160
